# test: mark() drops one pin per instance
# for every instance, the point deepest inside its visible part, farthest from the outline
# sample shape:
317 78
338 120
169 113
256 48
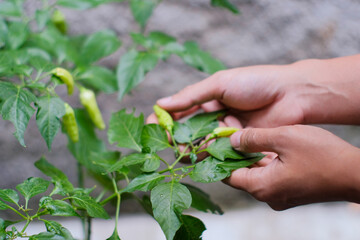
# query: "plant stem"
17 212
117 204
26 225
166 163
205 142
84 219
182 154
88 228
174 142
101 195
108 198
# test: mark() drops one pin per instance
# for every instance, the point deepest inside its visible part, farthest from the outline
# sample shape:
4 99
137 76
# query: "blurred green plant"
37 56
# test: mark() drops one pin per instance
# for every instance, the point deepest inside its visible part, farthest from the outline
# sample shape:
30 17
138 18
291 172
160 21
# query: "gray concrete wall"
267 32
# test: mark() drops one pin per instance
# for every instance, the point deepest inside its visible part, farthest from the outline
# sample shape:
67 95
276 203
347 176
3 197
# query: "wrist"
328 90
350 175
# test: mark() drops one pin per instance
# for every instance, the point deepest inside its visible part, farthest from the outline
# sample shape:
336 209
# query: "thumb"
258 140
198 93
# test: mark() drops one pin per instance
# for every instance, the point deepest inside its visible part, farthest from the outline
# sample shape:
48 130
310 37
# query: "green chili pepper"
88 100
223 132
164 118
69 122
58 19
66 77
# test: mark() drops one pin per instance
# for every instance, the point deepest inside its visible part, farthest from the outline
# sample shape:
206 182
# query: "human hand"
311 165
308 91
255 96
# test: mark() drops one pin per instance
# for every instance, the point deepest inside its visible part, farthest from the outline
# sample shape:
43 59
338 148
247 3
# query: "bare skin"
307 164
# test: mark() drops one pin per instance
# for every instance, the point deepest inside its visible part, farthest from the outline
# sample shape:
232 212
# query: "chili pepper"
164 118
223 132
66 77
69 122
88 100
58 19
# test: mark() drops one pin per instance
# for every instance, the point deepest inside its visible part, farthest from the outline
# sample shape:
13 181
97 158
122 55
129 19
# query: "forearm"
329 89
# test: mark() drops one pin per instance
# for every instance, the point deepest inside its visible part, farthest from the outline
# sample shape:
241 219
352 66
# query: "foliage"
37 57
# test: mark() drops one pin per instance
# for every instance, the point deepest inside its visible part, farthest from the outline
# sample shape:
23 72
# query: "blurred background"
266 32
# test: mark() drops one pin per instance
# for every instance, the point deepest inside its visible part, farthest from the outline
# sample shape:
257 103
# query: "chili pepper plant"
36 56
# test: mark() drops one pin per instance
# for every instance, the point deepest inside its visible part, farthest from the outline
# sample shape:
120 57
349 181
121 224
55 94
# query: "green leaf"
222 149
2 229
82 4
9 195
154 137
99 45
202 124
200 59
11 8
58 229
168 200
58 207
3 34
99 78
152 163
154 40
16 107
114 236
17 35
208 171
105 160
144 182
202 202
47 236
142 10
182 133
135 159
230 165
93 208
32 187
42 17
53 42
125 129
50 111
3 206
191 229
225 4
132 68
62 185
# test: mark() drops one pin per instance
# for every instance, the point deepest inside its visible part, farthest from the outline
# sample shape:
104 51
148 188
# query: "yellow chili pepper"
70 124
66 77
164 118
88 100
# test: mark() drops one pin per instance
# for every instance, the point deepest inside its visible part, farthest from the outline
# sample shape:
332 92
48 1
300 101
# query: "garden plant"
37 55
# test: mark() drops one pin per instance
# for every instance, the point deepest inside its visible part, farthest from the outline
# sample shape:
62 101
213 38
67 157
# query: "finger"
152 119
232 121
264 162
259 140
179 115
212 106
245 179
198 93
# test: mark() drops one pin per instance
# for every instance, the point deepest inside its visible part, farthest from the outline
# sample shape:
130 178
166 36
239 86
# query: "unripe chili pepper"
58 19
66 77
70 124
164 118
223 132
88 100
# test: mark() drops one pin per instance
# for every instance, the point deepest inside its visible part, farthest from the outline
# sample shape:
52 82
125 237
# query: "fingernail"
235 140
164 101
